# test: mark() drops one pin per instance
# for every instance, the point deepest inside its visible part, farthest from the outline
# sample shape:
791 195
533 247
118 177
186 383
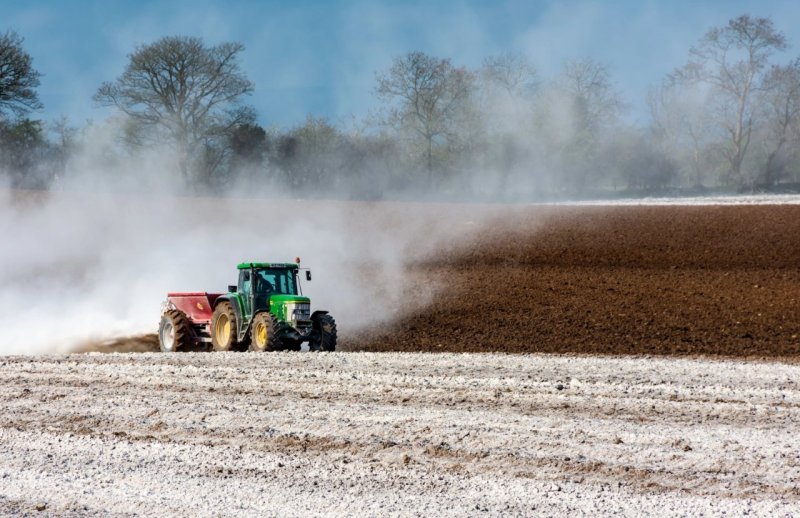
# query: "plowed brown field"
717 280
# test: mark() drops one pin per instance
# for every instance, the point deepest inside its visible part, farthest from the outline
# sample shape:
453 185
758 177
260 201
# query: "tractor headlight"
298 312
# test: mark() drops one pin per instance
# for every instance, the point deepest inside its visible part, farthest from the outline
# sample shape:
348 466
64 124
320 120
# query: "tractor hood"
283 299
293 309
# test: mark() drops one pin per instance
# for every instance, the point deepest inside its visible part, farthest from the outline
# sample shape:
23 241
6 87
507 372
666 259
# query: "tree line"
728 120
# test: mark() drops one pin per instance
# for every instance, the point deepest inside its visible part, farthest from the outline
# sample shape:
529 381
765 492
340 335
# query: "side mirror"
232 289
308 275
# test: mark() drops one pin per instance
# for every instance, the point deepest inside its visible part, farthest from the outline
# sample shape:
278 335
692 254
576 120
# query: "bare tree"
18 78
587 103
732 60
781 102
179 89
595 101
427 96
507 84
511 72
506 87
682 128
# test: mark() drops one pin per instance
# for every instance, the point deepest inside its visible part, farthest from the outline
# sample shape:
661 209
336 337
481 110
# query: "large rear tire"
263 336
175 332
223 328
324 333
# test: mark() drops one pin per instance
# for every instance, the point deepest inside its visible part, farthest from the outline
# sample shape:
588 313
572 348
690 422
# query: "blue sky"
317 57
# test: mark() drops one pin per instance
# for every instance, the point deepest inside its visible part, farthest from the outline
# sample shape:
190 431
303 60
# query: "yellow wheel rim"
223 329
261 334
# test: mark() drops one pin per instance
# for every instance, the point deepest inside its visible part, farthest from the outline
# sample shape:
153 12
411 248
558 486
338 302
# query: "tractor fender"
319 312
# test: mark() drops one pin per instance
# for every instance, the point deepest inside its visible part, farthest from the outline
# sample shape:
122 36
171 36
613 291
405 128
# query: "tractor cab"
258 284
273 287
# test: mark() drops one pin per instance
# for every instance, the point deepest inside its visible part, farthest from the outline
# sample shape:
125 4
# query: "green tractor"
265 311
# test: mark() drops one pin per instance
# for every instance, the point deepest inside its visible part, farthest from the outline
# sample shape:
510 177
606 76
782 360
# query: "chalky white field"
413 434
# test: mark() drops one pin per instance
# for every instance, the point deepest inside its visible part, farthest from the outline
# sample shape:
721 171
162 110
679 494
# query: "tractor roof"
243 266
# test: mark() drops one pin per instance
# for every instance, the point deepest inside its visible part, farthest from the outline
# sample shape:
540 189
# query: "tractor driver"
263 286
262 290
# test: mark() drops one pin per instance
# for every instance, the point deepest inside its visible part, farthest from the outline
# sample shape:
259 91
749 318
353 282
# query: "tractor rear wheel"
175 332
324 332
223 328
263 336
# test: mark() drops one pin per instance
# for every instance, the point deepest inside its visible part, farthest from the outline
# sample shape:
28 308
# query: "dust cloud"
78 267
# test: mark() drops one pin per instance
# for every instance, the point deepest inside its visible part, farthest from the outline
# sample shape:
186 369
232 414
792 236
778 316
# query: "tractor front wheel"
263 336
223 328
324 333
175 332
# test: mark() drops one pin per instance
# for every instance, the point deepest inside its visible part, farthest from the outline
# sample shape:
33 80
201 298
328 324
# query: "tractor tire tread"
273 342
327 338
228 310
184 336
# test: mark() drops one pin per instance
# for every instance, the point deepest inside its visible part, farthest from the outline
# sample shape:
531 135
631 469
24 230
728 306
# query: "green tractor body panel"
282 306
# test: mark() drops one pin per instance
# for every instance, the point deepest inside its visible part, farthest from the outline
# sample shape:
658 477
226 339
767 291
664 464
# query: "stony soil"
412 434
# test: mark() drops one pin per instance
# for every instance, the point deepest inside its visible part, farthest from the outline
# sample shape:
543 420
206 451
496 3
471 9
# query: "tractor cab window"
275 281
244 281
